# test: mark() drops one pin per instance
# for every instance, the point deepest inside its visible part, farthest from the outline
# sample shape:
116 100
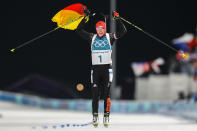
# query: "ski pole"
36 38
152 36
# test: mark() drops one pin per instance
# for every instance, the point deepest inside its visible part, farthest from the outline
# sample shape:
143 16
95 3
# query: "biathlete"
101 72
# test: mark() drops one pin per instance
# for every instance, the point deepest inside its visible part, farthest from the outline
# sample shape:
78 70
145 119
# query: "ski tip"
106 125
95 125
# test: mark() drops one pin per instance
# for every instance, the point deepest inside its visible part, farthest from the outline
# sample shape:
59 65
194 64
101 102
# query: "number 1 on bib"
100 58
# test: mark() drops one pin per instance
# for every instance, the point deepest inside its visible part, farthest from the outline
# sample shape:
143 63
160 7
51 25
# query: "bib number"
100 57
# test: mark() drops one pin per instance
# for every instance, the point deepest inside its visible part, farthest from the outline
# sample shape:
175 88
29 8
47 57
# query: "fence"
184 109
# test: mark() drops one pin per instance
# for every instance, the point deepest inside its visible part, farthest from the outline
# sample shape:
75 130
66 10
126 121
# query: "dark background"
64 57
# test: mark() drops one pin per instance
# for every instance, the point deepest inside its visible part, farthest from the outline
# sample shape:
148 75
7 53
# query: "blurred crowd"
183 62
187 63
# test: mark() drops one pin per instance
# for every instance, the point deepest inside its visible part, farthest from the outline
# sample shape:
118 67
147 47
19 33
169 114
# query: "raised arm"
84 34
121 29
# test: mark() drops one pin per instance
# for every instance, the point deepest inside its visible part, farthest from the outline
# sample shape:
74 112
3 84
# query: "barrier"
185 109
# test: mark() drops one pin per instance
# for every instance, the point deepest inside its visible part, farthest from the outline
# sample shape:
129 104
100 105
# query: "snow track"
22 118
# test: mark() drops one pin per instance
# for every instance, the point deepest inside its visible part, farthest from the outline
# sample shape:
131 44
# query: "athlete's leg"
95 98
95 95
107 85
95 91
107 100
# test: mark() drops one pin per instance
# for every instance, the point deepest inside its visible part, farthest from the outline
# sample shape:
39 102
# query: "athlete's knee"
107 90
94 85
95 91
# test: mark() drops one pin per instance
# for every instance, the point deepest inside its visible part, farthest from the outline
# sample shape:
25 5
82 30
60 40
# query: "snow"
23 118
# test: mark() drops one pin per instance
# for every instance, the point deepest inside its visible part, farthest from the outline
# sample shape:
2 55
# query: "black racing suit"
100 80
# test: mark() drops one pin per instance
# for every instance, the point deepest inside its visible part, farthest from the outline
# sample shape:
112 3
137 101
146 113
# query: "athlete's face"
100 31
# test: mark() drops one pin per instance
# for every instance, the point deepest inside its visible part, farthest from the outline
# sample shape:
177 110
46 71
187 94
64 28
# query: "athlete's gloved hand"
116 15
85 11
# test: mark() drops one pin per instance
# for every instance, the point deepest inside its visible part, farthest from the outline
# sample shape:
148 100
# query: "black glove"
86 11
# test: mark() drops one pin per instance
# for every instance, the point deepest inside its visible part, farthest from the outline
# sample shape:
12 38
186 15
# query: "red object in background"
147 67
179 56
183 55
192 44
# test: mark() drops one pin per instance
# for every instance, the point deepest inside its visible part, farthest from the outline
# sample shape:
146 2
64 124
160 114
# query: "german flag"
70 17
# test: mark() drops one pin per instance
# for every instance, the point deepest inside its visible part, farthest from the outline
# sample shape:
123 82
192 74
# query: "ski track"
21 118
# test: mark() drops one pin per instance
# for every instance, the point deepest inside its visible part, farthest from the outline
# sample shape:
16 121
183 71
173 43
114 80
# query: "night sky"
65 57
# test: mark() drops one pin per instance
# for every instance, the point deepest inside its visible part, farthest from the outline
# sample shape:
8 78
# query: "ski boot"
95 119
106 119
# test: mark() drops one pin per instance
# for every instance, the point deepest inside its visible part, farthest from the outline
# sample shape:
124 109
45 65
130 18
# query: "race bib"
101 57
101 50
